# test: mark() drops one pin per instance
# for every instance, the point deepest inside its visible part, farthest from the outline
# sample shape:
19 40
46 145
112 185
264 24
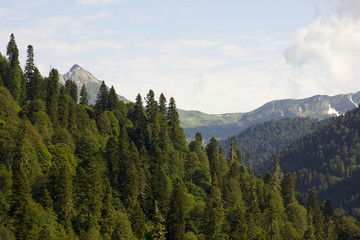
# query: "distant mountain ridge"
81 76
225 125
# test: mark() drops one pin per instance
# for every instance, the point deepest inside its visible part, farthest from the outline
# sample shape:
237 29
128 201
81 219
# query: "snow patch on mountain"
332 111
352 101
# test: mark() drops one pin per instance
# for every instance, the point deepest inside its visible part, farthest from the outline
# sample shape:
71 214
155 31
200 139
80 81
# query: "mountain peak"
76 66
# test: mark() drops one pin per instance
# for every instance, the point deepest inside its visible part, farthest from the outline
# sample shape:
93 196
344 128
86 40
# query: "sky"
212 56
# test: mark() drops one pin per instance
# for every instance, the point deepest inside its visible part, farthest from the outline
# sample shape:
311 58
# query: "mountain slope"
327 158
225 125
265 139
81 76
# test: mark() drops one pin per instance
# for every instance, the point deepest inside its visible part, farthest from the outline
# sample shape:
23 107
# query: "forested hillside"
266 139
329 160
125 171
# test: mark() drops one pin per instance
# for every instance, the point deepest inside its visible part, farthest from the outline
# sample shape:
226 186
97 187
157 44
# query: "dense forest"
329 159
263 140
125 171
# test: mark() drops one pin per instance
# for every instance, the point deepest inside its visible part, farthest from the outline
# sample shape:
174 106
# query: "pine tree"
234 153
84 96
102 101
21 200
212 154
162 105
287 189
63 107
36 87
238 225
159 229
113 99
71 90
315 214
214 215
175 221
275 182
14 79
52 95
64 204
29 72
176 133
139 120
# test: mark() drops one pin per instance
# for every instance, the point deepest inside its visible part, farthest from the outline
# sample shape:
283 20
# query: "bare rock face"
81 76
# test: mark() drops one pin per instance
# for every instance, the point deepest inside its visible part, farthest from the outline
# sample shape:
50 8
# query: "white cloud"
329 49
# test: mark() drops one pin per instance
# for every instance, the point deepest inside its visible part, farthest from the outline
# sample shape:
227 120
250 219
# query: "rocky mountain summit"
81 76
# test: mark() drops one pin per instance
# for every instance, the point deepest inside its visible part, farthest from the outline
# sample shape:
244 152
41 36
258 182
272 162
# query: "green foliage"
125 171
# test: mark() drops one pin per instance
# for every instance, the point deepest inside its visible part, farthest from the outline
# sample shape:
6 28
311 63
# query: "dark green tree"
52 95
84 96
102 101
176 133
214 215
114 102
71 90
14 79
63 107
287 189
175 221
29 71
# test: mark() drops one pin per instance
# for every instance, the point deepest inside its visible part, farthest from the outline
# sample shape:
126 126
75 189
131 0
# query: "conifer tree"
71 90
315 214
159 229
29 71
214 160
4 70
214 215
162 105
275 182
35 89
139 120
14 79
52 95
102 101
113 99
176 133
63 107
152 112
234 153
64 204
84 96
21 200
89 193
175 221
287 189
238 225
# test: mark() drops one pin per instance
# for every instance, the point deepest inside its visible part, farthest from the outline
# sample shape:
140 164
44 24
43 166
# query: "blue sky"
212 56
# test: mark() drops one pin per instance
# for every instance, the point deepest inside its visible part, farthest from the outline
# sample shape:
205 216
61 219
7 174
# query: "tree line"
116 170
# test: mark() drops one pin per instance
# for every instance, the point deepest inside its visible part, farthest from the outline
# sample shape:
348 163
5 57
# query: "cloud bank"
330 47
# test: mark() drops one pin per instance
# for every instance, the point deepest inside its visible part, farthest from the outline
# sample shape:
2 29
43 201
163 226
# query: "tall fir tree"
214 215
287 189
63 107
113 99
102 101
84 96
176 133
52 96
275 182
175 221
29 71
71 90
14 79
